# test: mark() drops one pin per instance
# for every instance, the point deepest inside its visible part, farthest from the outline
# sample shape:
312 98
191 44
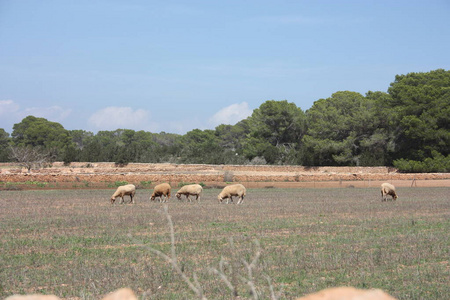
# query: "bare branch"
30 157
272 292
173 260
222 275
250 267
231 281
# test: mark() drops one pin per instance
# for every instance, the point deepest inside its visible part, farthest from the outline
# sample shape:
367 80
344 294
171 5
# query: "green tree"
275 131
421 102
39 132
201 147
4 146
169 147
231 139
74 152
379 146
92 152
340 130
80 138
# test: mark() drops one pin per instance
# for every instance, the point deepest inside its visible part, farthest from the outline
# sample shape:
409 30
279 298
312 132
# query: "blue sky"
178 65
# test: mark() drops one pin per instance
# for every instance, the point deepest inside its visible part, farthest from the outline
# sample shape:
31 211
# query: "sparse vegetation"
309 239
117 183
146 183
16 185
181 184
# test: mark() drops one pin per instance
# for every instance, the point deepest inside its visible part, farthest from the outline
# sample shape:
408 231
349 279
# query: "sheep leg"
187 198
197 198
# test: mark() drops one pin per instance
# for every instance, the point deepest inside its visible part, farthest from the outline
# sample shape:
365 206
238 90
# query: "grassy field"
289 242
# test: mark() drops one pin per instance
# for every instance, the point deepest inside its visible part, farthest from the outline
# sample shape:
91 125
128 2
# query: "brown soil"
99 175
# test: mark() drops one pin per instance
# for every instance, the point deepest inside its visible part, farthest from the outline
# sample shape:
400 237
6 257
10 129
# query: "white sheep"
128 189
190 189
160 190
232 190
388 189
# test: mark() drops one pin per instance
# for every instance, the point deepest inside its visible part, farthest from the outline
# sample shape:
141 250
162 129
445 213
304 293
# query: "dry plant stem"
234 267
272 292
250 268
195 287
232 285
223 277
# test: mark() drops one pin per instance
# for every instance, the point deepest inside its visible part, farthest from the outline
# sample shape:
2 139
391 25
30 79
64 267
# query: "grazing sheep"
190 189
160 190
388 189
232 190
128 189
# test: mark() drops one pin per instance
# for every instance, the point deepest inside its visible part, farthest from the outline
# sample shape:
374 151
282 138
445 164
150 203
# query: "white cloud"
7 107
113 117
231 114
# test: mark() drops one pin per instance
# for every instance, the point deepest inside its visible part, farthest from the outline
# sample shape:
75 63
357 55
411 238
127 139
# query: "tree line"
406 127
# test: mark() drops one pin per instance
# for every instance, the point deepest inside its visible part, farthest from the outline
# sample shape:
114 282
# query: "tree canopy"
420 102
407 126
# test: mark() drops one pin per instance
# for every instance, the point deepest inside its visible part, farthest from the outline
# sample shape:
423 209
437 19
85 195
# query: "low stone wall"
211 174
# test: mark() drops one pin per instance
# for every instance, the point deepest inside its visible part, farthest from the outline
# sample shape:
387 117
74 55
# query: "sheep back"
190 189
128 189
232 190
388 189
162 189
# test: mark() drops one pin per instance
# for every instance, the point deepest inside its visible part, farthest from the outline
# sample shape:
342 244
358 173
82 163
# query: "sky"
174 66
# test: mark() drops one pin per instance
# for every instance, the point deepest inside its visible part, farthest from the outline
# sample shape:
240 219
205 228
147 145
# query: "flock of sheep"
162 191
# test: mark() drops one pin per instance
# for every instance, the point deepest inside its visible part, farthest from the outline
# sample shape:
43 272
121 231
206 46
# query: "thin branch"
272 292
222 275
250 267
194 284
172 260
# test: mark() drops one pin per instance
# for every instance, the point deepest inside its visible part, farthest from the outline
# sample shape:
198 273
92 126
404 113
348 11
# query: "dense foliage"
408 127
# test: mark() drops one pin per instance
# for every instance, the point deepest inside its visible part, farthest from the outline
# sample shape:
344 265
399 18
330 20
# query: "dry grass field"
289 242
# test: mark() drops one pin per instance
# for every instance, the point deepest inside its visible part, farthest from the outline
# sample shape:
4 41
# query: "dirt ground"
96 175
